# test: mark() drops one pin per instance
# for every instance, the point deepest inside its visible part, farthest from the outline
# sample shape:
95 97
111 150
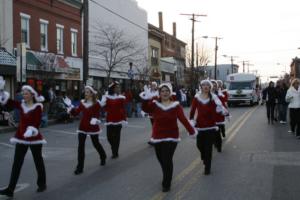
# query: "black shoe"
219 150
150 143
206 171
223 135
166 189
114 156
41 188
78 171
103 162
6 192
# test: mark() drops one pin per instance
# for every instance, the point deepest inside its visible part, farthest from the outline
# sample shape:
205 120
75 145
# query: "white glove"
95 121
69 109
192 122
28 133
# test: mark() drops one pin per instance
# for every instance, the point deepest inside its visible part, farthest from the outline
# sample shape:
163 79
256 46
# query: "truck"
243 88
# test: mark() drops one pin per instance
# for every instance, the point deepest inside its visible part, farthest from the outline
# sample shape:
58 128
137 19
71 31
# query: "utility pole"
193 39
197 56
85 66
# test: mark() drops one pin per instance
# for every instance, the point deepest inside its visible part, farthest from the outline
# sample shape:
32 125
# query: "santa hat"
113 84
214 81
2 83
37 97
220 83
168 85
206 81
91 89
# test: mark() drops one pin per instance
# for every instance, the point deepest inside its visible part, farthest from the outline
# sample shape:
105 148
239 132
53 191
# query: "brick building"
295 68
51 31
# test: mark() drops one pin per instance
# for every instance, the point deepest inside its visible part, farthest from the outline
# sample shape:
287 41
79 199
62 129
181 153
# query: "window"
154 56
59 38
25 29
44 35
74 42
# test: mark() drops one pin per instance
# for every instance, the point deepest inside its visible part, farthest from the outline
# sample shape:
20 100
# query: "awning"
7 63
33 63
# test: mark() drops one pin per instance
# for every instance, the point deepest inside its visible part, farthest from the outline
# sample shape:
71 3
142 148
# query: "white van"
242 88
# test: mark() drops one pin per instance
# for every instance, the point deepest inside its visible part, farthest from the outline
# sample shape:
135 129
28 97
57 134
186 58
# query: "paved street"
259 161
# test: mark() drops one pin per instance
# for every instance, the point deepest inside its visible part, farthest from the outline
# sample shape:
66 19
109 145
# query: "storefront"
8 70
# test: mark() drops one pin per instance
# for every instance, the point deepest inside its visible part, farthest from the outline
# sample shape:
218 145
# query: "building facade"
132 26
295 68
52 34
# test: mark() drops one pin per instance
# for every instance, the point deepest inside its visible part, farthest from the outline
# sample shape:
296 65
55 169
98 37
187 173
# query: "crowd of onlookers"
282 98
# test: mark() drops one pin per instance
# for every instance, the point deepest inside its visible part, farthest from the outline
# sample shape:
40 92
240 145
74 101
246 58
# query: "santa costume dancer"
222 95
89 125
165 133
27 136
152 93
114 106
207 106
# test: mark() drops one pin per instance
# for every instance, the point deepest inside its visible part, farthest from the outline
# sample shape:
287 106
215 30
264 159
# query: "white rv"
242 88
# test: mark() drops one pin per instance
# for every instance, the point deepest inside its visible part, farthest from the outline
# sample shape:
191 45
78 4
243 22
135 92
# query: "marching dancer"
89 125
114 105
222 95
207 106
27 136
165 133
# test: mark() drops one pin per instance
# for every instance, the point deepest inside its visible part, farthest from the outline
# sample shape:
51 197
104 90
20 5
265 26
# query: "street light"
231 58
216 51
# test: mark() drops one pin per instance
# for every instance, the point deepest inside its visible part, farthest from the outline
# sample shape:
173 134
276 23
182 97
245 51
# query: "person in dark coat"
270 98
282 103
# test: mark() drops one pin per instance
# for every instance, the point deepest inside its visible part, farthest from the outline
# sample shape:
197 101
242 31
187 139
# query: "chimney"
161 23
174 29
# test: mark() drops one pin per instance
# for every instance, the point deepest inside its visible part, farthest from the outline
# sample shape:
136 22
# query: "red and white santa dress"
165 131
28 135
205 123
114 106
89 125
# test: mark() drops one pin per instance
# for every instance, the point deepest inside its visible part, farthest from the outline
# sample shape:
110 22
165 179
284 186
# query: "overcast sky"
264 32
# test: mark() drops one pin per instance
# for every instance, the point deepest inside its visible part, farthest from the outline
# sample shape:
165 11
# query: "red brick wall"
57 13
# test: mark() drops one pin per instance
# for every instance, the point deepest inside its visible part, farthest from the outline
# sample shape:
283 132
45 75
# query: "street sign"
130 73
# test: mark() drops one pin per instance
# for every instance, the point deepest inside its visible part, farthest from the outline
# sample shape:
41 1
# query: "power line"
120 16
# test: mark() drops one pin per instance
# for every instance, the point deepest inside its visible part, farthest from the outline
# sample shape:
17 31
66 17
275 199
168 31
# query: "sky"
266 33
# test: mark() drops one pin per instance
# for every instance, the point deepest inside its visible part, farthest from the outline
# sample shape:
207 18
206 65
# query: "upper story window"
74 41
44 34
60 38
25 29
154 56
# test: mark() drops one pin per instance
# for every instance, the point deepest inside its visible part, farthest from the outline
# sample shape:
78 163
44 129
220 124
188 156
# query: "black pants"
20 152
113 137
270 110
164 153
218 139
282 111
205 141
81 148
295 120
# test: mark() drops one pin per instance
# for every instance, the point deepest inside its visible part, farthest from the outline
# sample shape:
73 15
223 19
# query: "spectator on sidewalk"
282 103
293 97
129 99
270 98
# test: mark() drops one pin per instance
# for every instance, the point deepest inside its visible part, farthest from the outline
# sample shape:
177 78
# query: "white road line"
62 131
135 126
7 145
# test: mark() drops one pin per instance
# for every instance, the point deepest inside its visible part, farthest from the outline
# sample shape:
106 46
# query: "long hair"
294 81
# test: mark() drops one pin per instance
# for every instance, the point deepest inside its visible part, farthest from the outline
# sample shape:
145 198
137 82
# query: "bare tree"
112 48
202 58
142 67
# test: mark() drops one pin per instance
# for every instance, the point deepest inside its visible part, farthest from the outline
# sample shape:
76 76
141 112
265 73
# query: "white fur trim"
165 140
165 108
123 122
4 97
115 97
221 123
201 100
34 130
89 133
103 101
18 141
27 109
38 98
91 89
86 104
207 128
